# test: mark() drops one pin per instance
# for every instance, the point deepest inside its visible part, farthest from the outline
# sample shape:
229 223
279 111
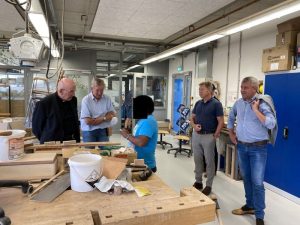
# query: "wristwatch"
104 118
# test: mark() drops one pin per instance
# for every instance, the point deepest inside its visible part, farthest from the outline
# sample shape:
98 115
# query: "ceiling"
134 28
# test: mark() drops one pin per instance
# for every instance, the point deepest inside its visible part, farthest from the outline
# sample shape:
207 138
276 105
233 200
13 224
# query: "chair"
179 149
164 127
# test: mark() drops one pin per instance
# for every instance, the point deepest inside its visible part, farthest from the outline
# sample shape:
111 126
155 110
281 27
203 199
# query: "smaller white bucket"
12 146
85 170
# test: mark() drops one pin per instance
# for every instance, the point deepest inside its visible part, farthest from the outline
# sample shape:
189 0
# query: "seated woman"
144 136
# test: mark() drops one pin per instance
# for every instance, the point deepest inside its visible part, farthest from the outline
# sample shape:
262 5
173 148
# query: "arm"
230 124
197 127
77 130
264 114
220 126
38 120
139 141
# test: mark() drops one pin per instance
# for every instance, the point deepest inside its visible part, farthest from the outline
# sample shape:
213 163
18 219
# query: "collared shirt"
93 108
249 128
207 113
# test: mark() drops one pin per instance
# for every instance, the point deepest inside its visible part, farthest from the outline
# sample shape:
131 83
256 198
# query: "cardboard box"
293 24
129 154
277 59
287 38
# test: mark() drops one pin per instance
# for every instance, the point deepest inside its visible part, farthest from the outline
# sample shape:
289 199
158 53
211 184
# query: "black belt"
205 132
257 143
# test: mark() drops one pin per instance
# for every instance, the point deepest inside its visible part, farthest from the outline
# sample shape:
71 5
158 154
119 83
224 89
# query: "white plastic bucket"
12 146
85 170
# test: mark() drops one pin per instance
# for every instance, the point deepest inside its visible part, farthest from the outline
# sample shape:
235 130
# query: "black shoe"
260 222
206 190
198 186
242 211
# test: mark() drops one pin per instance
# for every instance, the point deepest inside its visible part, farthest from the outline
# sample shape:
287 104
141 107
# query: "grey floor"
178 173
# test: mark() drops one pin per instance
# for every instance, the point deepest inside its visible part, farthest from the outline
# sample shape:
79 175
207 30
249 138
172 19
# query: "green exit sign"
179 68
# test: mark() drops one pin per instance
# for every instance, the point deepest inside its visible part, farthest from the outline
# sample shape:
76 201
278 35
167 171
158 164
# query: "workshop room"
149 112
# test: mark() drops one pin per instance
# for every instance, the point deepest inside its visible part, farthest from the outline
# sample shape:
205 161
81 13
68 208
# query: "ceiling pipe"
210 22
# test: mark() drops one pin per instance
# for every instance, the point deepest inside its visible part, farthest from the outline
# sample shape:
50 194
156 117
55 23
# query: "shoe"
198 186
260 222
242 211
206 190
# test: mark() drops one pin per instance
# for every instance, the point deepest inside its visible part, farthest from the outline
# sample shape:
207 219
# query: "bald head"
66 89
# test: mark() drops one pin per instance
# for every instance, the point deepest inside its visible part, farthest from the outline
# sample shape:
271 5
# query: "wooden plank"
228 160
113 167
31 167
29 159
81 144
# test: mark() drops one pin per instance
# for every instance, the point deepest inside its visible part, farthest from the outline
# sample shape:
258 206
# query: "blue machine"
283 163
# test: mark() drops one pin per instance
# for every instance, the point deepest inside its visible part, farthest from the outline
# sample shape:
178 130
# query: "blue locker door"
291 154
177 100
274 86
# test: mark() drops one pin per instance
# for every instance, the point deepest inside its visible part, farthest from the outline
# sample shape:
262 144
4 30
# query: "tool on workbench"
54 187
4 220
26 187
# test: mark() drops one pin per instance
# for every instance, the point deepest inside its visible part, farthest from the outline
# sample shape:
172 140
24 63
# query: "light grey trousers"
204 147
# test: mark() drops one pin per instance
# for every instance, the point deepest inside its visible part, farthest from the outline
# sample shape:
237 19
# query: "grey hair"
98 82
252 80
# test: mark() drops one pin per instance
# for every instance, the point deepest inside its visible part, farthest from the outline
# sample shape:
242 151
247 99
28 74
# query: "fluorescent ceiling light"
132 67
263 19
202 40
38 20
275 12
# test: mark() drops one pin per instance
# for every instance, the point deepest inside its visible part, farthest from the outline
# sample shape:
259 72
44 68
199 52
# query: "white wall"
251 60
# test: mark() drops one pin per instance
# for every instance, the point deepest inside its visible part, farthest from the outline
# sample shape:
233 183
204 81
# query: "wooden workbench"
163 206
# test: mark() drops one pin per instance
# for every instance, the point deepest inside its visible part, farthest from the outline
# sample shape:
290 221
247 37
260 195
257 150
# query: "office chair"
164 127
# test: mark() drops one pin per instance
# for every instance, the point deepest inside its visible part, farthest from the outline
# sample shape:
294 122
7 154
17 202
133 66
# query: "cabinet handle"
285 132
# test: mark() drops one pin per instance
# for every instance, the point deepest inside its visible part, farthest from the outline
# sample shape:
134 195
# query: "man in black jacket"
55 117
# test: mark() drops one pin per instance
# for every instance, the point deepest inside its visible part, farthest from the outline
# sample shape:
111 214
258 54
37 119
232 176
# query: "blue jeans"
98 135
252 162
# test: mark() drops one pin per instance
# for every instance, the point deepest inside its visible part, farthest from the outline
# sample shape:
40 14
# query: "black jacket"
47 124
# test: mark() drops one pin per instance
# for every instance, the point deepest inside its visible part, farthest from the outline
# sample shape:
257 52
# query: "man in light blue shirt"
253 118
97 114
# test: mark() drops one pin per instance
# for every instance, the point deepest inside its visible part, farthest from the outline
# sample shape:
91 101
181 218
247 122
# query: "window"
156 89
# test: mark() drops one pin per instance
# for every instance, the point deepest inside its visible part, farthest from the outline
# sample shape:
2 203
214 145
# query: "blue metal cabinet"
283 164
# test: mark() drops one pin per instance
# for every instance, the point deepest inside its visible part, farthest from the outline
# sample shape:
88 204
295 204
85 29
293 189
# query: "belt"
257 143
205 132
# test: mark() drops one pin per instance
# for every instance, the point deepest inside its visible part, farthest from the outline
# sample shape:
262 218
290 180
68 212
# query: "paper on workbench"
104 185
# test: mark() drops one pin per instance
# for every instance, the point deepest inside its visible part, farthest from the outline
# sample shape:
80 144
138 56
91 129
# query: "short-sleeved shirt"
93 108
207 113
149 128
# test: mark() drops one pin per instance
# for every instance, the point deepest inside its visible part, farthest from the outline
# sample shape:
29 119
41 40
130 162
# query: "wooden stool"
181 138
161 142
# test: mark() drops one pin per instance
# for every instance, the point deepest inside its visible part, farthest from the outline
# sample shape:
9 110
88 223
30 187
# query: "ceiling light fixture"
132 67
267 15
38 20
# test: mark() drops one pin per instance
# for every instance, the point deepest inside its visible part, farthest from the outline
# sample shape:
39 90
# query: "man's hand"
109 116
255 105
197 127
232 137
216 135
